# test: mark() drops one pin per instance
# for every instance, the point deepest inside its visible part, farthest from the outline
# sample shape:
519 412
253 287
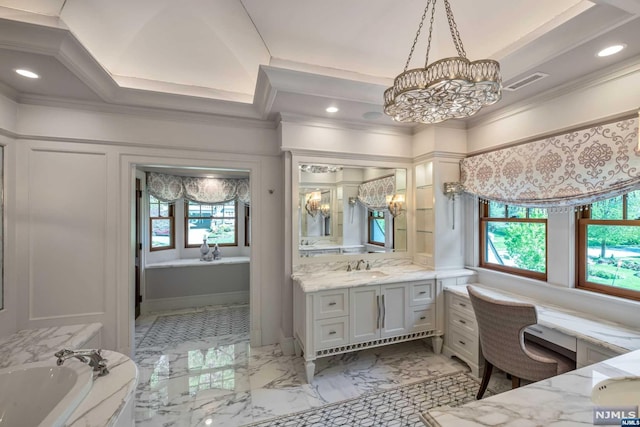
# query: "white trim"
162 304
286 344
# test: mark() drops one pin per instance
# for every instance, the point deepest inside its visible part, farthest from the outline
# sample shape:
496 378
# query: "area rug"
216 322
398 407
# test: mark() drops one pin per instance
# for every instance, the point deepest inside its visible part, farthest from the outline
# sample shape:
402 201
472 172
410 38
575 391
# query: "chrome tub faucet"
91 357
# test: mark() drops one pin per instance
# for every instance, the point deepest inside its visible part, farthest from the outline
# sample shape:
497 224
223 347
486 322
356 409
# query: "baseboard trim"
286 345
161 304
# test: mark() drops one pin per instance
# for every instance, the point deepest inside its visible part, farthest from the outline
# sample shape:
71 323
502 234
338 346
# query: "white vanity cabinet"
588 353
461 338
334 321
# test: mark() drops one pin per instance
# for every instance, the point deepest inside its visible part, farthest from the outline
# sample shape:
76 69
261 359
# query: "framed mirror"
349 210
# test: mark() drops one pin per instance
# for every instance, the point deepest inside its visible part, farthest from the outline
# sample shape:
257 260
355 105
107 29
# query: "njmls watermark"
616 415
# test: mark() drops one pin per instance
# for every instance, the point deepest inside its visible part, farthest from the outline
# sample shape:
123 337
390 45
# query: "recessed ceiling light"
332 110
611 50
27 73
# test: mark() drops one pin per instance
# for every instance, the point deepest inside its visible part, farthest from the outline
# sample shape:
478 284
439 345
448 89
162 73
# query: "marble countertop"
604 333
335 279
320 246
108 395
564 400
34 345
188 262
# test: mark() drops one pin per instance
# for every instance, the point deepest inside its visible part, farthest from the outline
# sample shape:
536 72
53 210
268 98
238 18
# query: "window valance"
373 194
572 169
170 188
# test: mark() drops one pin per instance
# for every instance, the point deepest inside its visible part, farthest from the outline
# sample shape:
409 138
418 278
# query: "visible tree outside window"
376 228
218 222
609 246
514 239
161 224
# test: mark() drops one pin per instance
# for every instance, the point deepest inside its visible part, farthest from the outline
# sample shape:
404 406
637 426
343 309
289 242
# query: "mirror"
351 210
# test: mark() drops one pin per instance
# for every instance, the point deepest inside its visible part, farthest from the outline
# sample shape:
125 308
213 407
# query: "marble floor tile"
223 381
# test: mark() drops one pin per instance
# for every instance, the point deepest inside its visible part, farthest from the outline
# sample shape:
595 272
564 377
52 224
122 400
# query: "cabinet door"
395 316
365 313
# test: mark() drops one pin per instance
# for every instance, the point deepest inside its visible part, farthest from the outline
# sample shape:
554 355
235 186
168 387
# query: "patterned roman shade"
573 169
373 194
170 188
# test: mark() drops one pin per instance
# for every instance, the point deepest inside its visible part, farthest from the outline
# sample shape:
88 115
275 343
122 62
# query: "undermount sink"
371 274
42 394
617 391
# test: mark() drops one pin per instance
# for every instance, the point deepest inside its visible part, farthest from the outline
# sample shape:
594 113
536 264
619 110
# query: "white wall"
73 200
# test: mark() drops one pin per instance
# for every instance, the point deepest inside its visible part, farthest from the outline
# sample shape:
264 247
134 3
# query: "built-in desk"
564 399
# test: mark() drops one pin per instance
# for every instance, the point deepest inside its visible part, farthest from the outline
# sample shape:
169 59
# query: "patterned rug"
398 407
193 326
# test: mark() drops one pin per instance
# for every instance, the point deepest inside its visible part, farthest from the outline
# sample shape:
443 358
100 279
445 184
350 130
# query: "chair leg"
486 376
515 382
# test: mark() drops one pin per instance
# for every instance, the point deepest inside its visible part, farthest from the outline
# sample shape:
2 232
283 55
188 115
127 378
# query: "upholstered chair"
501 326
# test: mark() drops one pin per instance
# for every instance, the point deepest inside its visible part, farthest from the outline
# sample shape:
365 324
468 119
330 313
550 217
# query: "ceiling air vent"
525 81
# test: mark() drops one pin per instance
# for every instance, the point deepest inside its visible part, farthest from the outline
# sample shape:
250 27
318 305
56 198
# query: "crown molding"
148 112
344 124
356 157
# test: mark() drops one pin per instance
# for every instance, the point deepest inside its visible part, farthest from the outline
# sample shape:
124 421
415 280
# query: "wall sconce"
451 189
313 203
395 203
325 210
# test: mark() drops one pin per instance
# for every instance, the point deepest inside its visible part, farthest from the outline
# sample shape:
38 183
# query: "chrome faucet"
358 265
91 357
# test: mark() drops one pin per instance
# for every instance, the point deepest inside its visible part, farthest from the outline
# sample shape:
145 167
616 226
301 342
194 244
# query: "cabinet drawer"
461 304
465 345
331 332
555 337
422 318
421 293
463 320
334 303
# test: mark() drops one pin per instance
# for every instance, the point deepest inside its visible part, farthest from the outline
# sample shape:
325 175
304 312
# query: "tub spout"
91 357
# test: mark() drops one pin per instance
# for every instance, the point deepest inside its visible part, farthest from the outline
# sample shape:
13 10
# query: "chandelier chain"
415 40
453 28
426 56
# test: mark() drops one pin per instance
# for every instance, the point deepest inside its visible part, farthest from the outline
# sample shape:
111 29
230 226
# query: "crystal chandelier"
451 88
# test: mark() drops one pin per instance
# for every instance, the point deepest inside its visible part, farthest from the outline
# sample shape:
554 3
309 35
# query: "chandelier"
395 203
312 205
451 88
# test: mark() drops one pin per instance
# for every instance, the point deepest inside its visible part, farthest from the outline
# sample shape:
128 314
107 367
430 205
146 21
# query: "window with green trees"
376 227
609 246
161 221
217 222
513 239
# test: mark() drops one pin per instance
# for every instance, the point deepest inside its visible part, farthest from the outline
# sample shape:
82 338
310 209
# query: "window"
513 239
376 227
161 222
216 221
609 246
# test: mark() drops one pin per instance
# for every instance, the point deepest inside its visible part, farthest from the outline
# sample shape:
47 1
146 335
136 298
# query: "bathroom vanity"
338 311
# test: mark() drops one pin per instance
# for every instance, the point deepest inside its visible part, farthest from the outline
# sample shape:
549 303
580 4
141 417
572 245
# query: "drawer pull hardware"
384 312
536 330
463 322
462 305
423 292
422 318
462 342
332 332
332 303
379 312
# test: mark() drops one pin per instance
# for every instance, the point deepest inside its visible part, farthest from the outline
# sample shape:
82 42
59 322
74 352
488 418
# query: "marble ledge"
195 262
584 326
110 397
34 345
378 275
564 400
